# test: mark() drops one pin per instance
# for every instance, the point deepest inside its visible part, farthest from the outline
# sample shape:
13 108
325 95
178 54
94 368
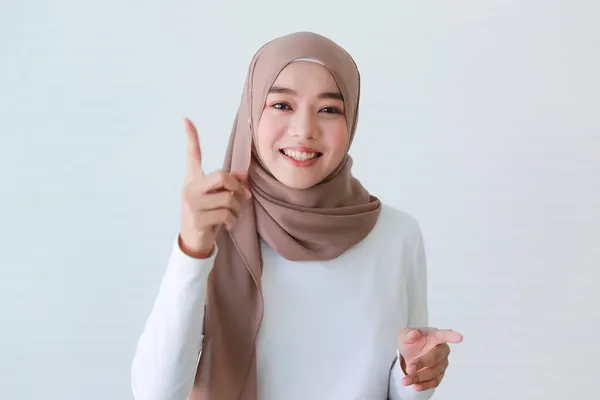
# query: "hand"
209 201
424 354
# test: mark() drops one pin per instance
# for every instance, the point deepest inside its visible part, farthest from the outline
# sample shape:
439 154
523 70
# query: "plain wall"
479 118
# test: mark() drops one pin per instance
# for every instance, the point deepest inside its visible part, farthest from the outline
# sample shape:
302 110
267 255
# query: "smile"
300 155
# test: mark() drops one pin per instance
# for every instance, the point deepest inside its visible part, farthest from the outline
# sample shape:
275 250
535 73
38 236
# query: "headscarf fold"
318 223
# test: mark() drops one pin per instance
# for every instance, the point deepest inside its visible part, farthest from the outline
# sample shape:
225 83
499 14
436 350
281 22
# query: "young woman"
288 279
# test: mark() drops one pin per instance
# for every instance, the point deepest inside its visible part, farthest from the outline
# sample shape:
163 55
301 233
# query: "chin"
298 182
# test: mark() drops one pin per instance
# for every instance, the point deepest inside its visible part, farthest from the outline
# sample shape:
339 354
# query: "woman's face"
302 134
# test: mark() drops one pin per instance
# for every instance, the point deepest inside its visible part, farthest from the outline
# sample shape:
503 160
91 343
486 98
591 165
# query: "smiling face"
302 134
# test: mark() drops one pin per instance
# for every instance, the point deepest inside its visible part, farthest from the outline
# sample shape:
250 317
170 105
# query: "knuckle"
230 198
223 215
428 375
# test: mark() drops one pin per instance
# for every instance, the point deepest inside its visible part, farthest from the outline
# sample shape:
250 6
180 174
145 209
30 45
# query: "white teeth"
299 155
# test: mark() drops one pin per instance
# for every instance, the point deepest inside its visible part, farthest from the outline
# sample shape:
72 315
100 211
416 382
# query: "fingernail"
407 381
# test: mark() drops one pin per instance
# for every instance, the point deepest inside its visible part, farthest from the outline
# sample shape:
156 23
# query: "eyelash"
334 110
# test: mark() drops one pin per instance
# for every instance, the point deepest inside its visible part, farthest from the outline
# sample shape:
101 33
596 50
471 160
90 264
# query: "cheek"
337 139
268 133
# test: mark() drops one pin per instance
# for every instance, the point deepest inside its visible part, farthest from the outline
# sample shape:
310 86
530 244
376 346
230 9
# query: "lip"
304 149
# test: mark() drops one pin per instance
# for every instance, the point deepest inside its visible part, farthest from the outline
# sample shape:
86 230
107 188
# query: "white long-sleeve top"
330 328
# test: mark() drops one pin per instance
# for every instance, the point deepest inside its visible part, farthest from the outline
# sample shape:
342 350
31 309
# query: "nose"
304 125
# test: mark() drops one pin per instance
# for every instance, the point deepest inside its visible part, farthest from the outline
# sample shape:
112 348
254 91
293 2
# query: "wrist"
199 252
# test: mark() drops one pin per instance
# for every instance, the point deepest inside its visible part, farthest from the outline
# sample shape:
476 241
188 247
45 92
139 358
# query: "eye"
282 106
332 110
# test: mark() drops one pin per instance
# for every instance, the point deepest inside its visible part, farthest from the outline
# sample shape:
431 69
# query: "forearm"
167 352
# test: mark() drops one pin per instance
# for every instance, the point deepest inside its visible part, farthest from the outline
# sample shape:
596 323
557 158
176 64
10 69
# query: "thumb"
410 336
194 155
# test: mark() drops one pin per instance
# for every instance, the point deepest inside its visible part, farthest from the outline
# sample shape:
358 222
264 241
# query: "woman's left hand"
424 355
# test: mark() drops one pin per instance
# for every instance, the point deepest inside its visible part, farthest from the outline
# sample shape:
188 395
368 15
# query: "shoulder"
396 233
398 224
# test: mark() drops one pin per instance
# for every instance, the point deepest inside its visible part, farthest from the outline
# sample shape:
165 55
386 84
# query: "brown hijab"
318 223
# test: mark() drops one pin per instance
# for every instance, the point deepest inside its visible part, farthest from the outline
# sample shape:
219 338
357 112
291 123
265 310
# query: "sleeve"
418 317
167 352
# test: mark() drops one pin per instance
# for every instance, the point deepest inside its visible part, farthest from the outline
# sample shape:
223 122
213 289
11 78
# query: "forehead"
306 76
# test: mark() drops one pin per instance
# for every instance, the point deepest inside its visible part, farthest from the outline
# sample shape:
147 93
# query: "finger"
433 383
243 179
194 155
429 359
215 201
448 336
240 176
427 374
409 335
215 218
221 180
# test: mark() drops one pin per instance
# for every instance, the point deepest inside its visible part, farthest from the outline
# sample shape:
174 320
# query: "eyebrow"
324 95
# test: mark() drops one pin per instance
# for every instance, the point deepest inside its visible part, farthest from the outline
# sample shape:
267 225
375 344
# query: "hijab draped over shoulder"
318 223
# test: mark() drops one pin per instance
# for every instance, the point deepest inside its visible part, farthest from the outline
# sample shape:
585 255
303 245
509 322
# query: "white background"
479 118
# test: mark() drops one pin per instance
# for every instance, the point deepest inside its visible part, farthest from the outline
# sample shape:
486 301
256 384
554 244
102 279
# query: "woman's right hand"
208 201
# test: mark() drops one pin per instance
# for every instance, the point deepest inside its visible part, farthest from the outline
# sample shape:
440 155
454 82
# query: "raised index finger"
194 155
448 336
